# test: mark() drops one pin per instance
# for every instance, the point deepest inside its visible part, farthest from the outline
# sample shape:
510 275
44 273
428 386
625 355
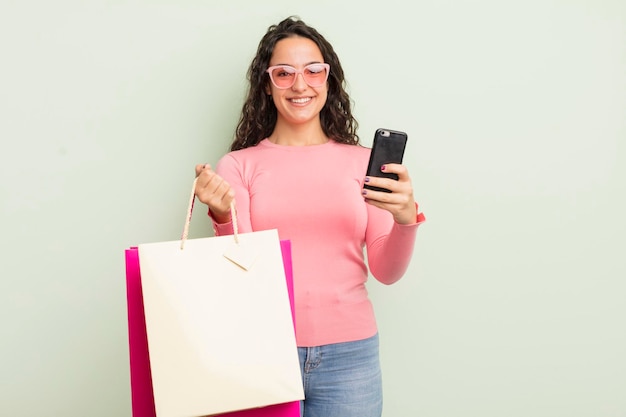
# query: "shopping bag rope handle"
192 200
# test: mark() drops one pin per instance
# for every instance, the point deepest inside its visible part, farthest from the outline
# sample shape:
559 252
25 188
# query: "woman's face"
300 103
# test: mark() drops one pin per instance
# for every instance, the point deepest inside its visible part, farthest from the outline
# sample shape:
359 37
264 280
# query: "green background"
516 114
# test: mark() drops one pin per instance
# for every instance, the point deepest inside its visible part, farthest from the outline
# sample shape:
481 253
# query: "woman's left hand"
399 202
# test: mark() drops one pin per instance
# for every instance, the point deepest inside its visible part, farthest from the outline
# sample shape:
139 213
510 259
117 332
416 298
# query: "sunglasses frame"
297 72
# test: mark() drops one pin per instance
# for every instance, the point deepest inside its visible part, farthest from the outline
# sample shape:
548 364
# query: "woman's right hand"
212 190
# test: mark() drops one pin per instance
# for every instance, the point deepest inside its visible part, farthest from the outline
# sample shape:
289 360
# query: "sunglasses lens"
283 77
315 75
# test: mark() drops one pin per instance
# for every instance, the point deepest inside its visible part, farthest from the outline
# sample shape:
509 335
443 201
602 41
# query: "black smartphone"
388 147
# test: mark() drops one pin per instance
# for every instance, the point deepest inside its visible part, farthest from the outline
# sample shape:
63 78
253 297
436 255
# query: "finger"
379 196
201 167
227 194
208 177
398 169
401 192
208 181
382 182
213 185
221 196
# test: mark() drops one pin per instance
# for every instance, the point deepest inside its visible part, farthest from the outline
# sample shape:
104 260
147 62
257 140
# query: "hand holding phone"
388 147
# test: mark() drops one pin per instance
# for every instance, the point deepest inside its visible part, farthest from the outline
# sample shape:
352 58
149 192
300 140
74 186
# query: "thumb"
200 168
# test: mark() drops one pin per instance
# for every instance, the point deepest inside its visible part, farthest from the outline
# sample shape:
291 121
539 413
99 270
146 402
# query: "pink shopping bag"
140 375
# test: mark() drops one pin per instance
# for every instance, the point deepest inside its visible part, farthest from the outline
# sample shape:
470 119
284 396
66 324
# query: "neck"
307 134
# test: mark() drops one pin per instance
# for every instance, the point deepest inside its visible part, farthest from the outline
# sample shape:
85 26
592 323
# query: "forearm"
389 256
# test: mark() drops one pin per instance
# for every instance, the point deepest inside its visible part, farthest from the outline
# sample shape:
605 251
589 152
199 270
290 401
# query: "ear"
268 89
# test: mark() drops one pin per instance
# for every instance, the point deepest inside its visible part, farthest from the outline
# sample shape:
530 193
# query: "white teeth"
301 100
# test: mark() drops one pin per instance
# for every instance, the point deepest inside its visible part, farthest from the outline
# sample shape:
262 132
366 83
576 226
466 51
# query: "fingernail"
364 192
367 179
382 168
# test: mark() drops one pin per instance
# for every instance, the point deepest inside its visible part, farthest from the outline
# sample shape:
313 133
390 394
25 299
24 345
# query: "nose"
299 83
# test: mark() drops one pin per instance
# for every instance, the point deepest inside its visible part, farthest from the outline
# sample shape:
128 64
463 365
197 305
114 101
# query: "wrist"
411 216
220 218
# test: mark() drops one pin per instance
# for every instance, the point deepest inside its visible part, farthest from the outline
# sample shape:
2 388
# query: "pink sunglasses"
284 76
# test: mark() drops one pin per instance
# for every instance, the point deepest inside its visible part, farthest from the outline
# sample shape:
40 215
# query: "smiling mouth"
300 100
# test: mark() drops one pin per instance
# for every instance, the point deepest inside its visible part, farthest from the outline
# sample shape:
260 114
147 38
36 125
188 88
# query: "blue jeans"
342 380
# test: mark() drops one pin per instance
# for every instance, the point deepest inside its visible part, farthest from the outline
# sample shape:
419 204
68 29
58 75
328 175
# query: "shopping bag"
142 399
290 409
219 326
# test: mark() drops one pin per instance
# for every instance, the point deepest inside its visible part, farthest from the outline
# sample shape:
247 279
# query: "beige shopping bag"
219 325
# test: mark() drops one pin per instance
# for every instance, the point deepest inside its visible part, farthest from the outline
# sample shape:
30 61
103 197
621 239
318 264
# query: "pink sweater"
312 196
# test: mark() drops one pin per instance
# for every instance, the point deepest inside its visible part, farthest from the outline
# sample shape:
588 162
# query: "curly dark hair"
259 114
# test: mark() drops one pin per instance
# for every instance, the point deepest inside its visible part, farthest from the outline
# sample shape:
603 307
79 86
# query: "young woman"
296 165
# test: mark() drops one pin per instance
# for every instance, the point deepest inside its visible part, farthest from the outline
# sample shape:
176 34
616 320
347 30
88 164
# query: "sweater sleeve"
389 244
